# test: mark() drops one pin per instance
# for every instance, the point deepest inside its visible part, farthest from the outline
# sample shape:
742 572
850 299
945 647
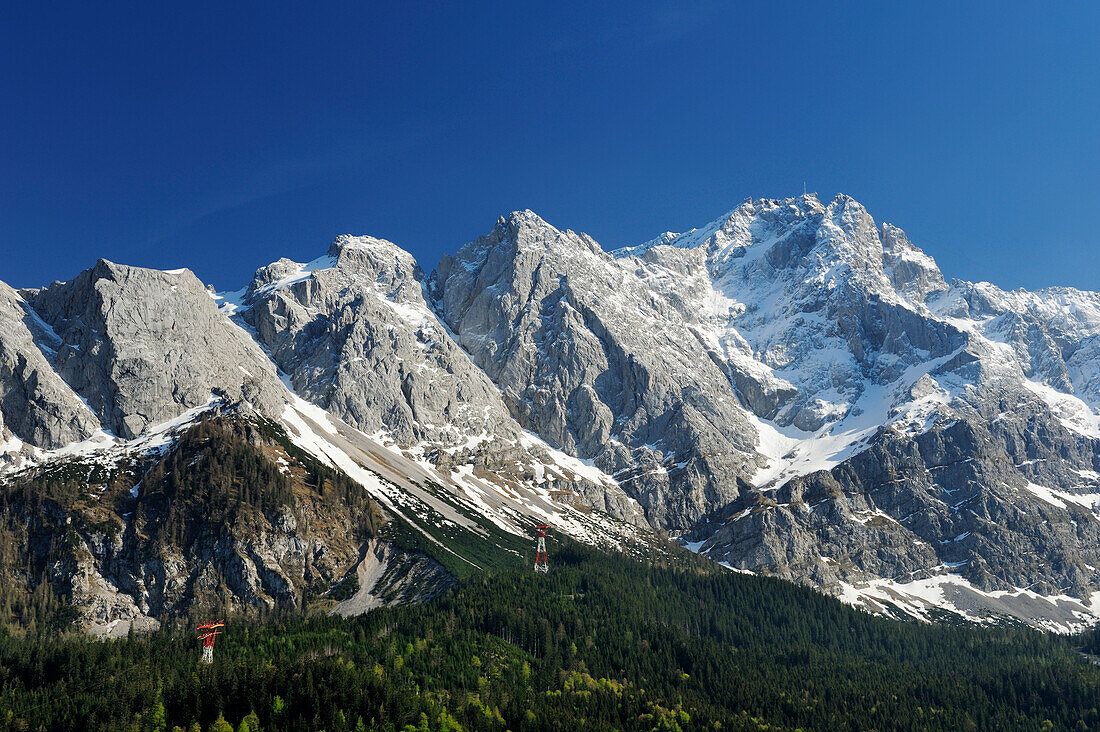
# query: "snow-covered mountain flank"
792 389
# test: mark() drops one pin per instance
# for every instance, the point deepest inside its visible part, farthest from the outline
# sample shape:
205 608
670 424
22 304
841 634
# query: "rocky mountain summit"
793 389
596 362
140 346
356 336
109 377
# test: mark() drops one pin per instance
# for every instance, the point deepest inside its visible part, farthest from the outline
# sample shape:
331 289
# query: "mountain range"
792 389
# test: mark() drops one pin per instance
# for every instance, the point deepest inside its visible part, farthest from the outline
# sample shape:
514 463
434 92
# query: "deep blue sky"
221 136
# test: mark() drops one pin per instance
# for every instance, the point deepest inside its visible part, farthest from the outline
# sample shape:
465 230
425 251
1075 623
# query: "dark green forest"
602 642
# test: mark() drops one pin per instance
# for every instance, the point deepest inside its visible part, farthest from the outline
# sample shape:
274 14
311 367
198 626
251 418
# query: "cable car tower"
541 562
208 633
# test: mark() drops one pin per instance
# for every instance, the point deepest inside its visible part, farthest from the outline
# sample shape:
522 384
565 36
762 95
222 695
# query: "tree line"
601 642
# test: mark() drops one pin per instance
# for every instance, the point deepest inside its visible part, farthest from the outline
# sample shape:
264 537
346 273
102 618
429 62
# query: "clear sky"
221 136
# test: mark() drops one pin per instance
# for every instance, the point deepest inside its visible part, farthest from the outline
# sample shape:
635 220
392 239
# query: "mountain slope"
591 360
355 336
832 334
970 414
35 403
135 360
602 642
793 388
143 346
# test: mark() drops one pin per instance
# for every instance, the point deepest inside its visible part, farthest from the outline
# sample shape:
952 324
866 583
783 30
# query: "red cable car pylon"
542 564
208 633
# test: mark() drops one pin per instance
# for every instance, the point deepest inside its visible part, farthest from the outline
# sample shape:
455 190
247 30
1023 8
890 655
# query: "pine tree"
220 725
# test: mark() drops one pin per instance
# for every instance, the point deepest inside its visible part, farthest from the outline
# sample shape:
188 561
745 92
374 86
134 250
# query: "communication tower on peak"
541 562
208 633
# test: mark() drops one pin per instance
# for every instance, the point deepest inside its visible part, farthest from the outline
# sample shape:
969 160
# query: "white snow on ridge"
412 313
232 301
302 272
582 468
1059 499
792 452
921 598
1072 412
1045 494
106 447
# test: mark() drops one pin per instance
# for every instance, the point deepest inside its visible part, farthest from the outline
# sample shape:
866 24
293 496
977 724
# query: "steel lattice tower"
541 562
208 633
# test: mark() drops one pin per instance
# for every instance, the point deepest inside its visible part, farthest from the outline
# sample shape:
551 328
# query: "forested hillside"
602 642
232 518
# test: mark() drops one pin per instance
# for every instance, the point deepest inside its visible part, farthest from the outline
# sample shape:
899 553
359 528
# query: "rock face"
598 364
793 388
357 337
143 346
956 422
658 362
35 403
226 520
910 506
793 347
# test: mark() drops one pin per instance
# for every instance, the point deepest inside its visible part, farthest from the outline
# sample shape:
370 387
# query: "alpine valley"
791 390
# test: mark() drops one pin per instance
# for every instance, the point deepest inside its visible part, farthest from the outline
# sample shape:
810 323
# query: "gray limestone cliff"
356 336
794 387
590 359
36 405
142 346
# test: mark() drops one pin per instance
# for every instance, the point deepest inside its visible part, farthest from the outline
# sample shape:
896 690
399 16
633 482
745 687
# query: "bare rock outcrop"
142 346
36 405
